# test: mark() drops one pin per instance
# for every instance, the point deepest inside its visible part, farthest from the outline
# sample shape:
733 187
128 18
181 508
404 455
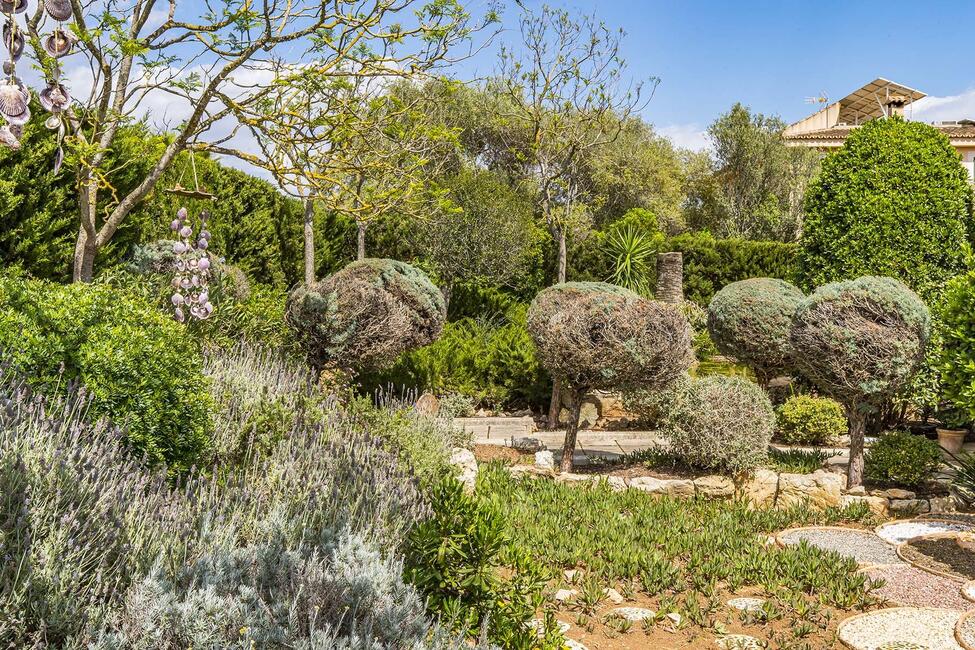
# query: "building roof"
962 130
868 102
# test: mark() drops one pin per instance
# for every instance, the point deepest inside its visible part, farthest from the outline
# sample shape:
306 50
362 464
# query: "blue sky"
772 55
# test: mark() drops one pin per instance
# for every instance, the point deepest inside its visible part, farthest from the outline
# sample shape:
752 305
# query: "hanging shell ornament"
13 38
58 43
13 103
8 138
59 10
13 6
55 98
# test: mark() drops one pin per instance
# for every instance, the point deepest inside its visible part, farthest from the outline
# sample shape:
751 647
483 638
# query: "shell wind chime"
191 284
14 95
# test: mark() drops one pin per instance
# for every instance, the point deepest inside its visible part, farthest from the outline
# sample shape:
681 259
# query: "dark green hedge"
710 264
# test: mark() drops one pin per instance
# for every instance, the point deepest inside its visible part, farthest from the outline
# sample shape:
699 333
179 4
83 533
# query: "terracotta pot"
951 440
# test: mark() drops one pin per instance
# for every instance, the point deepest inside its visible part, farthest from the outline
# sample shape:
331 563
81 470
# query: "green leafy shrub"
701 341
750 320
710 264
492 361
901 458
957 333
454 558
893 201
810 420
138 366
719 423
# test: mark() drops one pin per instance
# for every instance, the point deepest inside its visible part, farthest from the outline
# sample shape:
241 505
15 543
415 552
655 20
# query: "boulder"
669 487
527 445
617 483
761 488
894 493
545 460
909 506
614 596
428 404
569 477
466 464
714 487
877 505
821 489
939 505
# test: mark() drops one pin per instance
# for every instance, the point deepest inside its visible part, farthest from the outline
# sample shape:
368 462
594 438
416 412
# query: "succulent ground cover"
683 560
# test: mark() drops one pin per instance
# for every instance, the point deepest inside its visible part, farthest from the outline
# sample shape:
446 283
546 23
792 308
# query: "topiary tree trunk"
571 429
670 278
858 431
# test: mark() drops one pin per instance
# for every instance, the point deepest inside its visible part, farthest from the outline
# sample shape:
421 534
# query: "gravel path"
863 546
933 629
898 532
943 554
911 587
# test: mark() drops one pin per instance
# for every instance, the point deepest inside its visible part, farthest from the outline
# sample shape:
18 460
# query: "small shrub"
901 458
810 420
454 558
799 461
701 341
720 423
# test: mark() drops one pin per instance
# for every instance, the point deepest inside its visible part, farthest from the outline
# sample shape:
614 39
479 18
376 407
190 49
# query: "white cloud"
936 109
686 136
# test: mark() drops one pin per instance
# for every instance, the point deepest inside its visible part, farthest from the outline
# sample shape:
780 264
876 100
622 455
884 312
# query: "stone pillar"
670 278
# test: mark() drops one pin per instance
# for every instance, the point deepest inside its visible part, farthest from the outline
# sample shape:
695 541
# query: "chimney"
895 105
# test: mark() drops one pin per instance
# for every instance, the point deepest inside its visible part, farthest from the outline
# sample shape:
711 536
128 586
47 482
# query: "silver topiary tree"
595 336
860 341
366 315
750 320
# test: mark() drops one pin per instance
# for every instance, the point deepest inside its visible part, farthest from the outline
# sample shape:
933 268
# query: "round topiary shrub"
810 420
596 336
366 315
750 320
719 423
860 342
902 459
893 201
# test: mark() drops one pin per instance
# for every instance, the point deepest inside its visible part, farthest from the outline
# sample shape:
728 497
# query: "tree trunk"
309 242
361 240
858 425
571 431
447 290
670 278
563 256
555 406
84 257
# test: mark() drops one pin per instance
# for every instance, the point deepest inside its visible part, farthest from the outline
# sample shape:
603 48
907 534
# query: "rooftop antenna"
822 99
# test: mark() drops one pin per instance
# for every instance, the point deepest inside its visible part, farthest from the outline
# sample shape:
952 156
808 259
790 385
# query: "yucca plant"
962 474
633 251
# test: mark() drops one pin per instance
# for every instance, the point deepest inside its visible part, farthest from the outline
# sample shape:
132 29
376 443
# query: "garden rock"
527 445
909 506
715 487
466 464
938 505
761 490
877 505
428 404
821 489
614 596
746 604
563 595
675 487
617 483
739 642
633 614
895 493
569 477
545 460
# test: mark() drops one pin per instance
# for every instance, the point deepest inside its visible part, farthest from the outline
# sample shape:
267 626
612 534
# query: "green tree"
893 201
762 180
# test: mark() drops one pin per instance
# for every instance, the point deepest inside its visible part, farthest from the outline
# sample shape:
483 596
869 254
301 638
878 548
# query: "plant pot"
951 440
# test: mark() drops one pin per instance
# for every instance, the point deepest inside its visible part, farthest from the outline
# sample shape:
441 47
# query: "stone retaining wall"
767 488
